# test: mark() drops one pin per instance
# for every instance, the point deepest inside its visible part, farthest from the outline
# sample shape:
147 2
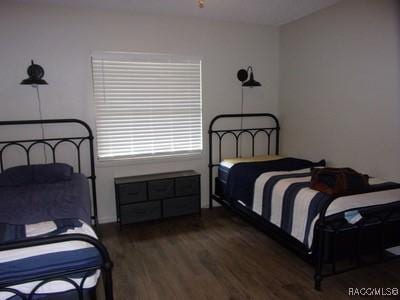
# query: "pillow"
46 173
338 181
50 173
16 176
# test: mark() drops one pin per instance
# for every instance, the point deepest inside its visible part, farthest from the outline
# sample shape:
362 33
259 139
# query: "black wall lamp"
243 75
246 77
36 73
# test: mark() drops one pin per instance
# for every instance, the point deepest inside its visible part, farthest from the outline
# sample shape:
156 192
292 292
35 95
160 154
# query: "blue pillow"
50 173
46 173
16 176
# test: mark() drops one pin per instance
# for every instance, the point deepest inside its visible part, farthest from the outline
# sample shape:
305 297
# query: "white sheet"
230 162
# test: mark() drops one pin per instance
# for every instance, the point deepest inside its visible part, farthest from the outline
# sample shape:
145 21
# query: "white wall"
62 39
339 86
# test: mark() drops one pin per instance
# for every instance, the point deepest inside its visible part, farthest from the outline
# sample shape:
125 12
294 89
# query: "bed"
334 233
48 215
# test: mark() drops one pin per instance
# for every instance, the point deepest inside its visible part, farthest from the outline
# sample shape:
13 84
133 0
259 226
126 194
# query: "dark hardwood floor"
219 256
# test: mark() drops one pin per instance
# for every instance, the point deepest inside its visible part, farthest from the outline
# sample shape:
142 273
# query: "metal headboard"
237 133
53 143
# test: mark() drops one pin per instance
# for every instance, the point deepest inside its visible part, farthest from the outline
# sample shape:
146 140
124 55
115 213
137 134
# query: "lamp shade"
251 82
35 73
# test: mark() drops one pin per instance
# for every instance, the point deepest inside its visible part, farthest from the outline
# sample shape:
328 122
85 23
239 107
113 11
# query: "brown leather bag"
338 181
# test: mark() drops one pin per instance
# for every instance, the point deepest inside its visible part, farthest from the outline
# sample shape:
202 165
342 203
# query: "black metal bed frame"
334 241
53 143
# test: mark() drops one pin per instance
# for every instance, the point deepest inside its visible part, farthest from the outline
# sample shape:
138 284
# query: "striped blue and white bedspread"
285 199
38 260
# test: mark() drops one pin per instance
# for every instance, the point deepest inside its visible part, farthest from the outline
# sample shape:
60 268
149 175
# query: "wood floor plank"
219 256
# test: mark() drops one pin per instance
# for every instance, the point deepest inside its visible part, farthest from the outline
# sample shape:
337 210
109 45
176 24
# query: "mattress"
285 199
226 165
32 262
236 178
34 203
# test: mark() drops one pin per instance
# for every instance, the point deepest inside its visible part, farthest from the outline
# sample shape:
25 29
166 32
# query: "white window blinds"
146 104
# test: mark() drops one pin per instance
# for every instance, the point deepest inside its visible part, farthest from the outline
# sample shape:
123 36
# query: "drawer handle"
133 193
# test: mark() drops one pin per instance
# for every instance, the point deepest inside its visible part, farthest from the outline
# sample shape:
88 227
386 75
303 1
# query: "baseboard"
109 219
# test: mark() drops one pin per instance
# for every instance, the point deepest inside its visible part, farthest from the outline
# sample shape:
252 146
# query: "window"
146 105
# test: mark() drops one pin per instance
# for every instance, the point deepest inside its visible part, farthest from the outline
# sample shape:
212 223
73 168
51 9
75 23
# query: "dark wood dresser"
157 196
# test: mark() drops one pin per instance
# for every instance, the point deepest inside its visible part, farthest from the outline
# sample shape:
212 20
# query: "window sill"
148 160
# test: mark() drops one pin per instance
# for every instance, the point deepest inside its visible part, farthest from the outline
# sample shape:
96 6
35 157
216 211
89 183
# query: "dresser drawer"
181 206
155 196
132 192
139 212
187 186
161 189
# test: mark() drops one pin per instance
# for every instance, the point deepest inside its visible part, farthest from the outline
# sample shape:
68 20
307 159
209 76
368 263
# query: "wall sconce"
243 74
247 80
36 73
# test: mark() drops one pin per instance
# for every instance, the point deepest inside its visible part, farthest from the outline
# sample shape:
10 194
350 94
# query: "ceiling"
266 12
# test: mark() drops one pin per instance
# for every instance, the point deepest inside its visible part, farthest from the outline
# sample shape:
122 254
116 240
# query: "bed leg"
319 259
93 294
317 282
108 284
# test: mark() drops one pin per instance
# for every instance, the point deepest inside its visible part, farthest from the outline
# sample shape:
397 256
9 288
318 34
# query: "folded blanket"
16 232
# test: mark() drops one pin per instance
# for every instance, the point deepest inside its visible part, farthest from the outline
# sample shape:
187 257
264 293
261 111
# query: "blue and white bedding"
31 262
242 175
285 199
